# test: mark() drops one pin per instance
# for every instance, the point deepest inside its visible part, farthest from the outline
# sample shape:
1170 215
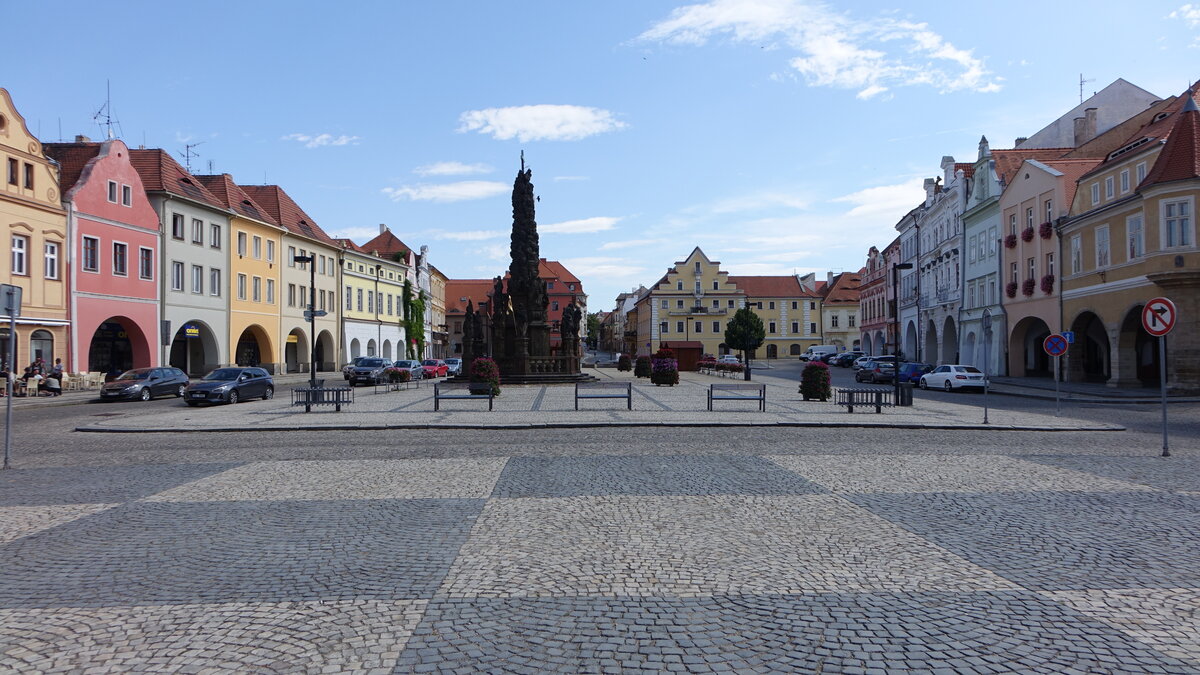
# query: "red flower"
1048 284
1046 230
1011 289
1028 286
1027 234
1010 241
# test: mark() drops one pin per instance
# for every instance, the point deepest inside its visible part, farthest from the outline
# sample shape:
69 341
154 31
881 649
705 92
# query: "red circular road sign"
1055 344
1158 316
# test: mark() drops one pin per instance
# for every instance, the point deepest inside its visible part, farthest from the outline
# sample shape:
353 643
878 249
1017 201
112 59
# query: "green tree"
414 322
593 330
745 333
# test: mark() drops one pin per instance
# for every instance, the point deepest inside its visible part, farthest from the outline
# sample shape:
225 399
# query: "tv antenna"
104 117
188 153
1081 83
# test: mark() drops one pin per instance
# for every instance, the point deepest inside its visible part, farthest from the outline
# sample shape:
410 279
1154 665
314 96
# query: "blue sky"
778 135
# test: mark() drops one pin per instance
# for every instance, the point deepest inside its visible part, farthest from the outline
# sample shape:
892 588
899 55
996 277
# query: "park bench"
322 395
730 392
863 397
464 388
604 390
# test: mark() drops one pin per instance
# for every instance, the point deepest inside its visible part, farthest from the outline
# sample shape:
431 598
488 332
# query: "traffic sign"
1069 336
1158 316
309 313
1055 344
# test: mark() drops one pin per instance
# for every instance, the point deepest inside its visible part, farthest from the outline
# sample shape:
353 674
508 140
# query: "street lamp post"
311 315
896 332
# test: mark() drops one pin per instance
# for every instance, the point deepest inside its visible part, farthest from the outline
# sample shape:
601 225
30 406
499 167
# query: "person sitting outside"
51 385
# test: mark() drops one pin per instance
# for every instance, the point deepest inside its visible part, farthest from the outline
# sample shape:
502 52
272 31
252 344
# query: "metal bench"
863 398
604 390
322 395
759 394
438 396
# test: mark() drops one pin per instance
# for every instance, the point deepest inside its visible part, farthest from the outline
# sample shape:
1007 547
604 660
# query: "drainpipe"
1058 228
163 264
72 308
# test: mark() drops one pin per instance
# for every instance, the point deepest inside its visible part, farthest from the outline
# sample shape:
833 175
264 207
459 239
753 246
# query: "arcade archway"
118 343
1026 356
194 349
296 352
1090 353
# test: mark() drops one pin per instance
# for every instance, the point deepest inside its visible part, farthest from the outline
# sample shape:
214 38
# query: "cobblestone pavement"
854 562
525 406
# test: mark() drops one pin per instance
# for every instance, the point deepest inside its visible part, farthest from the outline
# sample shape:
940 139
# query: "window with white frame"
197 231
214 233
796 327
241 244
699 327
662 327
1029 217
993 235
678 304
146 263
197 279
271 253
112 191
679 327
214 282
126 195
971 248
270 291
1076 254
679 285
1030 268
716 326
1140 171
971 294
1135 237
241 287
697 285
360 299
1049 207
258 248
1125 181
1095 194
663 303
20 253
91 254
1103 256
176 275
291 295
120 259
1012 224
291 258
257 286
771 327
1177 223
177 225
51 260
1012 269
349 299
1050 264
833 320
992 291
1108 188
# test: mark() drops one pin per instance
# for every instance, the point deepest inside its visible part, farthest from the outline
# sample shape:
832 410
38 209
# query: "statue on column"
468 339
571 318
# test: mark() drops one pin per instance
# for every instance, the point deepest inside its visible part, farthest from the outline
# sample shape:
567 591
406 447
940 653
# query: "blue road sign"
1055 345
1069 336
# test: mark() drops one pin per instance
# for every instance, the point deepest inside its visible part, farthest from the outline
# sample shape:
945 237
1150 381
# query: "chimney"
82 139
930 186
382 228
829 277
947 169
1020 139
1085 127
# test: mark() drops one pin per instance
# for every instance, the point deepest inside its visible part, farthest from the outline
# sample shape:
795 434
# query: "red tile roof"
1072 170
1180 157
475 290
71 158
967 169
388 244
770 287
349 245
287 213
235 198
552 269
161 173
844 288
1009 161
1157 129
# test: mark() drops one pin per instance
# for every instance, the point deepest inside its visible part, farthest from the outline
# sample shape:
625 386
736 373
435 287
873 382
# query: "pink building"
113 265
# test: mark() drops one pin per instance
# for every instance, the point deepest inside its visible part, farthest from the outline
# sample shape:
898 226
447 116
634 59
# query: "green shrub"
814 382
642 367
625 363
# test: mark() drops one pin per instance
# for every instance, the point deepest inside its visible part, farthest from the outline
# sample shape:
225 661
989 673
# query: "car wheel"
269 393
233 396
179 391
924 385
948 386
145 395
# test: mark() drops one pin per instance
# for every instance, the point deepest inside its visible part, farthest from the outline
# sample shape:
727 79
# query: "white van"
817 351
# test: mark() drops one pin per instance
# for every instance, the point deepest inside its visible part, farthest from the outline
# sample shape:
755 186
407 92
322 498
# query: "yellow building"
373 302
255 250
790 314
35 227
1131 237
437 302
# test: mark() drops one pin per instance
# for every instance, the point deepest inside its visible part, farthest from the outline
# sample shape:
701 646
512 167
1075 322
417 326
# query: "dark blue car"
912 372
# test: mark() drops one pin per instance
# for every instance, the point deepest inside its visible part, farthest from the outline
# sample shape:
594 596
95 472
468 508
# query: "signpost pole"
12 307
987 343
1057 408
1162 382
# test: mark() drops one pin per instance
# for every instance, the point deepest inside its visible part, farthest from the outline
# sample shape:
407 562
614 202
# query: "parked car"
230 385
862 361
454 367
368 370
815 352
876 372
413 367
729 358
846 359
912 372
435 368
955 376
350 366
145 384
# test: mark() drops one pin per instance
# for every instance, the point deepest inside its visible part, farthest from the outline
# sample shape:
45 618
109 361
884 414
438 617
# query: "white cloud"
321 140
1189 14
835 49
447 192
451 169
884 201
540 122
609 269
582 226
498 252
632 243
473 235
357 234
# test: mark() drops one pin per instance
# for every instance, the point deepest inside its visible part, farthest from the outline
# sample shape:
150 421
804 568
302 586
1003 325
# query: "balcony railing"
707 311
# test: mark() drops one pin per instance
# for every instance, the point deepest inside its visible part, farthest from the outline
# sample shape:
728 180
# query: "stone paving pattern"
686 563
532 406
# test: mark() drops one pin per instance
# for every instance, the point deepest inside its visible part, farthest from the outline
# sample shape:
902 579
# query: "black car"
368 370
230 385
350 366
845 359
145 384
876 372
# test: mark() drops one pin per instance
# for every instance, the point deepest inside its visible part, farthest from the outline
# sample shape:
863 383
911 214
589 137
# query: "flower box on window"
1048 284
1010 241
1028 286
1011 289
1027 234
1046 230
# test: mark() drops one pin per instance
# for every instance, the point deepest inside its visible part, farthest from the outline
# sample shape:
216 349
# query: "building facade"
112 261
840 310
940 261
373 310
981 317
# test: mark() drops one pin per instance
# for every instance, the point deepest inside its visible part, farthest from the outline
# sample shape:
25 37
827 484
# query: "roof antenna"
1081 83
103 116
188 154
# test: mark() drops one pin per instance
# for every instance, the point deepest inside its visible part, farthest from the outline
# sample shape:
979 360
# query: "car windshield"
134 375
224 374
370 363
431 362
453 360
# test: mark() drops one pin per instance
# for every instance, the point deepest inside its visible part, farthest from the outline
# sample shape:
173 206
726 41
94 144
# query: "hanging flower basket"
1048 284
1046 230
1027 287
1011 289
1027 234
1010 241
